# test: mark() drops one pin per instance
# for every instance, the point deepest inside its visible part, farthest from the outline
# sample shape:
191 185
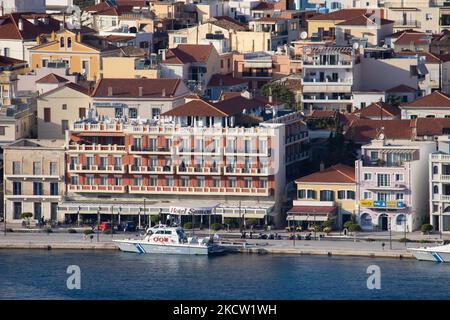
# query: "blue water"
115 275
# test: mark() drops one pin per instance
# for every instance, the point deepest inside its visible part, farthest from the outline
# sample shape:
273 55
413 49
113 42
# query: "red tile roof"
365 20
196 107
364 130
70 85
434 99
187 53
344 14
129 88
264 6
407 38
9 26
339 173
401 88
228 23
220 80
9 62
378 109
52 78
320 114
432 126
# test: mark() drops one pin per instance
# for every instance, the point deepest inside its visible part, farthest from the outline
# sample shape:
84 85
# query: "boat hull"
429 255
146 247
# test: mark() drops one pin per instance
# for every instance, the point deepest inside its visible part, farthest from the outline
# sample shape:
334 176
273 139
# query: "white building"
440 185
434 105
11 6
327 78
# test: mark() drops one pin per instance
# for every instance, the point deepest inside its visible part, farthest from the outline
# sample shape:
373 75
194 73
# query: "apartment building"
419 15
132 67
279 30
327 78
328 194
391 193
33 178
204 156
439 171
10 69
137 98
58 107
16 122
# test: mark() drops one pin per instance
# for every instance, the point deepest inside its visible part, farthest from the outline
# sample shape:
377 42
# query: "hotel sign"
189 211
382 204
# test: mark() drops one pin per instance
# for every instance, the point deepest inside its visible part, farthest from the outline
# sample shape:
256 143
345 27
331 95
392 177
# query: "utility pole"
98 224
112 221
390 233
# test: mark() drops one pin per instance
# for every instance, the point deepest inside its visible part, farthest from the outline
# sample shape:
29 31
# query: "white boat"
169 240
437 254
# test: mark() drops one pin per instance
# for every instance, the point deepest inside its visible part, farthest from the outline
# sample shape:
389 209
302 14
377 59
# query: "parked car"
127 226
105 226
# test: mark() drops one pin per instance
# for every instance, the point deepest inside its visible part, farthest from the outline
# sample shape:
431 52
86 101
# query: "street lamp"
112 221
139 218
78 215
98 224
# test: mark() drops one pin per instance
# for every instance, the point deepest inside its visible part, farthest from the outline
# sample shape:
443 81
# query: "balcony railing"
247 152
150 169
96 168
297 157
97 148
407 24
201 190
198 170
96 188
326 81
230 170
150 150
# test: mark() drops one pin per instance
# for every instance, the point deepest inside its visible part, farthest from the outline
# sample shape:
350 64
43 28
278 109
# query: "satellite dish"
303 35
356 45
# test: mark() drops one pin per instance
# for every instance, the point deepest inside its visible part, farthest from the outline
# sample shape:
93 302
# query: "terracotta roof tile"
129 88
364 20
339 173
407 38
228 23
432 126
378 109
264 6
364 130
52 78
187 53
344 14
9 26
401 88
434 99
196 107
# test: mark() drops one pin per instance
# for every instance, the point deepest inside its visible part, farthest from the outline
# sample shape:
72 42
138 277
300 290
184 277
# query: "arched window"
61 42
69 42
436 189
435 170
366 220
401 220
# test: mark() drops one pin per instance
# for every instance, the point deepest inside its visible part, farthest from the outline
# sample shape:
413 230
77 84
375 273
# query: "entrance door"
383 222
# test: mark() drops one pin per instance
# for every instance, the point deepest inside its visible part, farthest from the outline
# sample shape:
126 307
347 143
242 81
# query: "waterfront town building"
328 194
33 179
434 105
439 171
390 189
213 158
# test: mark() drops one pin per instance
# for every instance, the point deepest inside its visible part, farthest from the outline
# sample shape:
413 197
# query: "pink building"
391 192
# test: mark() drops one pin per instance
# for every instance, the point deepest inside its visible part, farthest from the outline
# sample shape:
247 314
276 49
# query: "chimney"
110 91
141 90
163 94
20 24
322 166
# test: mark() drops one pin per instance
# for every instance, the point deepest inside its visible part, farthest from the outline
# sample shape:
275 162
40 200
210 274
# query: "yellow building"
325 24
325 195
81 54
130 67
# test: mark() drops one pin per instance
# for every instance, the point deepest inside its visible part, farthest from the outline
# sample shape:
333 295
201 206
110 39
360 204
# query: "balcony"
95 168
31 176
261 192
96 148
229 151
326 81
440 157
407 24
150 169
397 186
26 197
327 65
96 188
198 151
198 170
233 171
293 138
441 177
297 157
150 150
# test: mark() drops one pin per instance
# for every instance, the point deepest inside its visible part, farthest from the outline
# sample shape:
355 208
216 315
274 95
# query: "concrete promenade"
332 246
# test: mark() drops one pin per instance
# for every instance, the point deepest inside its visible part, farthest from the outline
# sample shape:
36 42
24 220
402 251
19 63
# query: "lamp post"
405 226
139 218
98 224
78 215
112 221
390 232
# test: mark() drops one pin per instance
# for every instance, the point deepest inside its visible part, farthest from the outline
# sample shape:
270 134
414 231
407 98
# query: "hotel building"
209 158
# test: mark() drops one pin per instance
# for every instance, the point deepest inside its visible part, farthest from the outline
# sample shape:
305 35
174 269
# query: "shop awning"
310 213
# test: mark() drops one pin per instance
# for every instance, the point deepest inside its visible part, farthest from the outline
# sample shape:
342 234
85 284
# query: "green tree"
26 216
340 150
280 93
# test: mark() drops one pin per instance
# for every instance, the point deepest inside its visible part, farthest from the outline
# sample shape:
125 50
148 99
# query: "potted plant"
26 216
